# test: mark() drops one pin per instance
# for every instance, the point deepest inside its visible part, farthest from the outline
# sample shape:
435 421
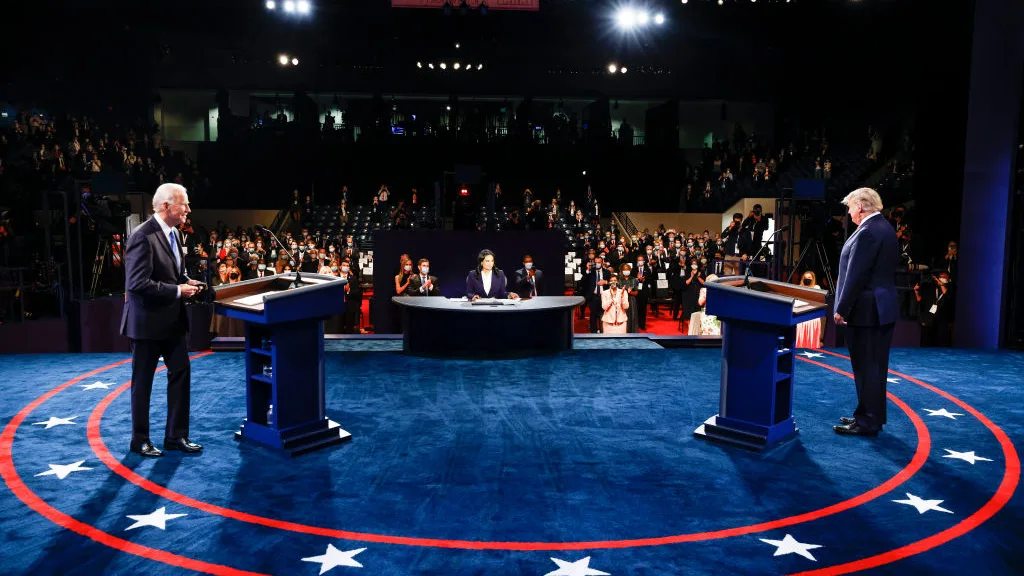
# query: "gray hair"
166 193
868 199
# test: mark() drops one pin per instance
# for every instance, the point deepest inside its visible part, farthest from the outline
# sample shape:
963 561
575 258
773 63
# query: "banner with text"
531 5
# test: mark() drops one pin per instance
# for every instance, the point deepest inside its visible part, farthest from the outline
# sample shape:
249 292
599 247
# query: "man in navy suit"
528 280
154 319
866 304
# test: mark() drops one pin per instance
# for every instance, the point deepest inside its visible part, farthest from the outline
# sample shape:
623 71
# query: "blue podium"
759 321
284 358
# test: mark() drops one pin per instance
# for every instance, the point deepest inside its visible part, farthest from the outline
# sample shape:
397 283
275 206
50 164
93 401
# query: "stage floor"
580 463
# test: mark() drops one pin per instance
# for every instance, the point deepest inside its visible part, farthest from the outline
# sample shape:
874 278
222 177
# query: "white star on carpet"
99 385
580 567
54 421
333 558
813 355
61 471
923 505
943 412
966 456
157 519
790 545
892 380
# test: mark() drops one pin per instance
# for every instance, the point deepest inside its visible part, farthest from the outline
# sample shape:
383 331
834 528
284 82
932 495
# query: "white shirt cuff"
178 288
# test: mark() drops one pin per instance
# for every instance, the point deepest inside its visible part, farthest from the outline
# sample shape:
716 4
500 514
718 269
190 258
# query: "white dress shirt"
166 231
485 277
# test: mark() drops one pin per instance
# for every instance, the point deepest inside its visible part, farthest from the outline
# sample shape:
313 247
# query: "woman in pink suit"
614 302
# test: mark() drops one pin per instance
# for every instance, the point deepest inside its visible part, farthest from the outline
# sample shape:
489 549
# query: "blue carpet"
592 445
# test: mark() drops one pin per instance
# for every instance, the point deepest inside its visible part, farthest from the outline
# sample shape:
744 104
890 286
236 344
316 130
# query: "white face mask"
262 267
528 265
625 273
331 248
425 270
344 268
408 267
693 267
334 268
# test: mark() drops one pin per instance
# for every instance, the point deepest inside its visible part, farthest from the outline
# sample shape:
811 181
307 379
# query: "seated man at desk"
487 281
422 283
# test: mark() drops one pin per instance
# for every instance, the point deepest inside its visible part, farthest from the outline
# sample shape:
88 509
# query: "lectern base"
750 437
294 441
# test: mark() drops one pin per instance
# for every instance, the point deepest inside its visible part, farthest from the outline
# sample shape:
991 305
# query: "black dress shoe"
146 449
854 430
847 420
182 444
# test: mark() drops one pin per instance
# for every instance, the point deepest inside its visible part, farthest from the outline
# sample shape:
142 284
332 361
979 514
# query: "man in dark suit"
596 282
422 283
866 304
154 318
528 280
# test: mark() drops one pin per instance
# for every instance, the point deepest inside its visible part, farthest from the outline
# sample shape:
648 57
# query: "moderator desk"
437 326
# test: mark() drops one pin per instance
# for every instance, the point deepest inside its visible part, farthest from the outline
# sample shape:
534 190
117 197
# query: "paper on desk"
800 304
254 299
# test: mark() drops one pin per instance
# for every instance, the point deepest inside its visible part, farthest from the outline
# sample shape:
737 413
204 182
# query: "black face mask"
234 276
807 281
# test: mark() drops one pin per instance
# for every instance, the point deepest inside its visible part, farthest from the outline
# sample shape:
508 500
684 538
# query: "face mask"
331 248
334 268
703 260
943 281
601 245
425 270
649 252
350 243
234 275
323 254
344 268
678 245
689 244
693 267
528 265
625 273
220 244
291 262
807 281
295 246
312 246
262 266
639 263
259 244
408 268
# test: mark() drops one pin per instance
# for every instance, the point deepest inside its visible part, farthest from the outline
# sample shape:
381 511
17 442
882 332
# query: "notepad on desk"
255 299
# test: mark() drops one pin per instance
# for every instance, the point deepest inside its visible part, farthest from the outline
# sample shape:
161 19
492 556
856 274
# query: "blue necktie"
174 249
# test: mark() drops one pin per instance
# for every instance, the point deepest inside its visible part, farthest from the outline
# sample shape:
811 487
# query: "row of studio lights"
722 2
298 7
446 66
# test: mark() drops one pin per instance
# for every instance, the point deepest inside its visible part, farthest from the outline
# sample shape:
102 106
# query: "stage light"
456 65
659 19
283 59
419 64
626 18
584 172
457 45
469 66
613 68
622 70
448 108
430 65
303 6
685 1
444 66
642 18
720 2
271 4
479 66
295 61
289 6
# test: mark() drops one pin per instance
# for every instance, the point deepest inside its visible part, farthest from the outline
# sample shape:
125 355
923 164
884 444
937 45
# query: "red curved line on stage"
19 489
101 451
1011 478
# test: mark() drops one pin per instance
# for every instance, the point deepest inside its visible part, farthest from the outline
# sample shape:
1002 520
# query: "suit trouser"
641 309
869 354
596 311
145 355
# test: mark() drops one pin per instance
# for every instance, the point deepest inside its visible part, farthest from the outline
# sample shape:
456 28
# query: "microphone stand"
746 277
291 255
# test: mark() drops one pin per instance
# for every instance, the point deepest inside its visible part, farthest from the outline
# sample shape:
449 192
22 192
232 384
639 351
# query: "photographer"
936 304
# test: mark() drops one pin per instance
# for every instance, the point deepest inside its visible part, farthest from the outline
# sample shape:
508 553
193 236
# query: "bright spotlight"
626 18
295 61
444 66
289 6
685 1
430 65
448 108
456 65
642 18
283 59
457 45
419 64
469 66
271 4
659 19
584 172
720 2
303 6
613 68
479 66
622 70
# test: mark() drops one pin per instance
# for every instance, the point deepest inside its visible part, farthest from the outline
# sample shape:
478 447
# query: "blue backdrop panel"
453 254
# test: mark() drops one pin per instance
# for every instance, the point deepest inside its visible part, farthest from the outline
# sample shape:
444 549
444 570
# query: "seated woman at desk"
487 281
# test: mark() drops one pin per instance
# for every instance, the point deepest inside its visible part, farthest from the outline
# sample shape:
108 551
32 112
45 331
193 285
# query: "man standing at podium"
866 304
154 319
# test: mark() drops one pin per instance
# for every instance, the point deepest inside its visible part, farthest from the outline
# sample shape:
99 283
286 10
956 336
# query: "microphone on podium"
291 255
746 276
